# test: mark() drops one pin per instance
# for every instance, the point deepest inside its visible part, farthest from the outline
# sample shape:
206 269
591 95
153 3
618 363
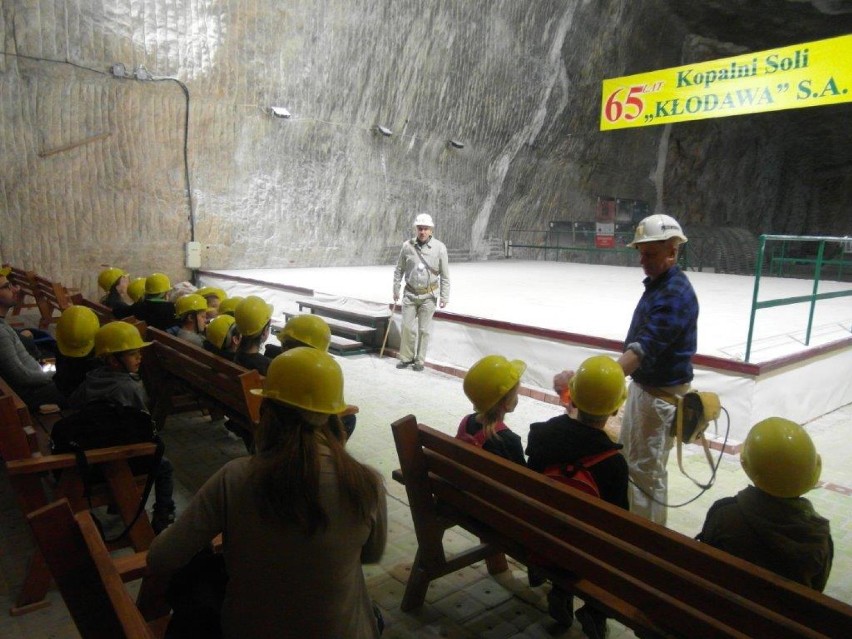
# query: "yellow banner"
803 75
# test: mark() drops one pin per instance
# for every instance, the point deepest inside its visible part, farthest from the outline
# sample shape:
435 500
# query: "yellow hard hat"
598 387
780 458
191 303
308 329
157 283
488 381
136 289
229 305
252 315
218 330
108 277
75 331
117 337
306 378
208 291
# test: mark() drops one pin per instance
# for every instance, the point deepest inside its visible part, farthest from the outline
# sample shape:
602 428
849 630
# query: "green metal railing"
818 262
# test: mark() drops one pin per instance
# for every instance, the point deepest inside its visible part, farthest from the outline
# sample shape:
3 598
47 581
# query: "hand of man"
395 297
561 380
442 304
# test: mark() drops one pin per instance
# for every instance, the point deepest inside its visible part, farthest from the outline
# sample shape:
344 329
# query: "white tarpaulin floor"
598 301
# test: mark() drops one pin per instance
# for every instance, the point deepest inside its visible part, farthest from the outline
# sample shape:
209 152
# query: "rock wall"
95 166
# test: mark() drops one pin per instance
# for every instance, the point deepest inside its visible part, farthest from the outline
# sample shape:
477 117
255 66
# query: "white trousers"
645 436
417 312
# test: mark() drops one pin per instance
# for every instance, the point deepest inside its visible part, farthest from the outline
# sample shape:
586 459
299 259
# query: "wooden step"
343 328
344 346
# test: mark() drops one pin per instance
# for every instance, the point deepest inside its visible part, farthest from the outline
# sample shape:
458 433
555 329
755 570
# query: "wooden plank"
90 585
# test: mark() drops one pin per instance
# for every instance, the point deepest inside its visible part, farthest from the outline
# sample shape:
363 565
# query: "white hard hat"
424 219
657 228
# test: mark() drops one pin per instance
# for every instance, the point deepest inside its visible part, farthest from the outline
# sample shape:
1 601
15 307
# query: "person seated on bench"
308 330
222 337
597 391
117 381
253 317
191 312
770 524
155 309
492 387
17 367
75 338
136 289
298 518
229 305
114 282
215 297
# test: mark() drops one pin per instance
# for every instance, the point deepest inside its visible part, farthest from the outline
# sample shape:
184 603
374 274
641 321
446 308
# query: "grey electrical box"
193 255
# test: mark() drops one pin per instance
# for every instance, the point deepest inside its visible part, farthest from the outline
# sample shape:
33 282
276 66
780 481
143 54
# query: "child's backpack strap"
577 474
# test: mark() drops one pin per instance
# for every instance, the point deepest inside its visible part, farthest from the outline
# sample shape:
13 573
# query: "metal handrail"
799 299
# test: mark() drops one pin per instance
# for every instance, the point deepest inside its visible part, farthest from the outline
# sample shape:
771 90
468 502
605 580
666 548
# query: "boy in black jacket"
597 391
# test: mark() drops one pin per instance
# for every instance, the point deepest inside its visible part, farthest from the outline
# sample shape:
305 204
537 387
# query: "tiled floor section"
468 603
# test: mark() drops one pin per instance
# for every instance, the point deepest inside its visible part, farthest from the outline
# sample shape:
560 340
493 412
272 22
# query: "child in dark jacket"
75 338
770 524
117 382
597 391
492 386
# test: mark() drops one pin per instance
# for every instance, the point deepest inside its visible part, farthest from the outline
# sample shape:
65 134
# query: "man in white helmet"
424 265
658 351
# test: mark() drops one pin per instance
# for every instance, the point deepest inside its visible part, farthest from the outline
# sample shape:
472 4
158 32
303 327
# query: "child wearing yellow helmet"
114 282
154 308
770 524
492 386
253 316
191 312
75 339
598 390
222 336
117 383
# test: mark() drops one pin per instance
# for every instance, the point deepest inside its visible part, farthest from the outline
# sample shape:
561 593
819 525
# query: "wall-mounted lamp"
456 144
384 130
279 112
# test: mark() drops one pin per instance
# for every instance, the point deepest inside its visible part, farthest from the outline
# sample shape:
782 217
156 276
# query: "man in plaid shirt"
657 354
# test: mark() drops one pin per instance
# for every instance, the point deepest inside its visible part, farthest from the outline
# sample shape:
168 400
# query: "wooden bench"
31 469
648 577
172 365
91 581
48 296
103 311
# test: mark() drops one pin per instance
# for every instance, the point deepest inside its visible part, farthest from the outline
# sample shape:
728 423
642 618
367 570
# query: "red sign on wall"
605 223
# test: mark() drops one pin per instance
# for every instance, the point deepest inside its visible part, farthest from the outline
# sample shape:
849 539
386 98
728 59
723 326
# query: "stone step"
344 329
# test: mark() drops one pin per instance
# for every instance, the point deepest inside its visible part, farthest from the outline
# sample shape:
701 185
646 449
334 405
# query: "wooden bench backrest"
217 379
25 281
87 578
103 311
48 296
647 575
18 439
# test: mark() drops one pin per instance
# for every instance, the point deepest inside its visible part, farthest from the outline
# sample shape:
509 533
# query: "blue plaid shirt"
665 326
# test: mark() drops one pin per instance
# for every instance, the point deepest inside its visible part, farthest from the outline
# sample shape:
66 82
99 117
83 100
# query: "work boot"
417 367
161 520
593 622
404 364
560 606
